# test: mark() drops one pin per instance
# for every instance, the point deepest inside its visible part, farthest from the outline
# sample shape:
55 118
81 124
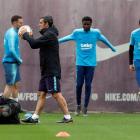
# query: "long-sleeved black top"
49 51
131 49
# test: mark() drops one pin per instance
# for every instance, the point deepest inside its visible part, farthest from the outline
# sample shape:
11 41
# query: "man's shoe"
29 120
77 111
85 112
64 120
139 93
22 110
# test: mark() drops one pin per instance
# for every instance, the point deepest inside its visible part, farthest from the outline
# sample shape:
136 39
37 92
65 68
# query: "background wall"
114 88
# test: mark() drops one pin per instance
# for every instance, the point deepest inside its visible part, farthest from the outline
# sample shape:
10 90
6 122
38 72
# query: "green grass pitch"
93 127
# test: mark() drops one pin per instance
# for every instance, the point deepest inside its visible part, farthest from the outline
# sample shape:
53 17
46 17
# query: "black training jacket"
49 51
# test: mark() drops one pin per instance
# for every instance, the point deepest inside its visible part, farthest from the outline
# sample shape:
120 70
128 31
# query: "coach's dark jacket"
49 51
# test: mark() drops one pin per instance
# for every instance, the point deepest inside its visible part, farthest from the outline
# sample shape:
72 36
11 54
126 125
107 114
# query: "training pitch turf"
93 127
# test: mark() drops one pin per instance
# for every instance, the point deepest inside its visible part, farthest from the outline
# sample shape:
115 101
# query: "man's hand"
24 30
114 49
20 62
131 67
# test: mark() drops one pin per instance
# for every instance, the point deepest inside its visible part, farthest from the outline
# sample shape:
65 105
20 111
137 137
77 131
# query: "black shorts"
50 84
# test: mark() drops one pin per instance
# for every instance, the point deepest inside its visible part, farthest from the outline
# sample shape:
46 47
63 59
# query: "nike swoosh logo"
106 53
47 97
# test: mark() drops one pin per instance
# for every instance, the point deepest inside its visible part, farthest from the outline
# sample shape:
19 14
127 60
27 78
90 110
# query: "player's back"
11 42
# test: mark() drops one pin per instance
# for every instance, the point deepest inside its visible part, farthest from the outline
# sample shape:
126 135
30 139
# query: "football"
29 31
5 111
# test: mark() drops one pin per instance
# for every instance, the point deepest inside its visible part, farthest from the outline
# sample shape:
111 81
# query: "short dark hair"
15 18
139 22
87 19
48 19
